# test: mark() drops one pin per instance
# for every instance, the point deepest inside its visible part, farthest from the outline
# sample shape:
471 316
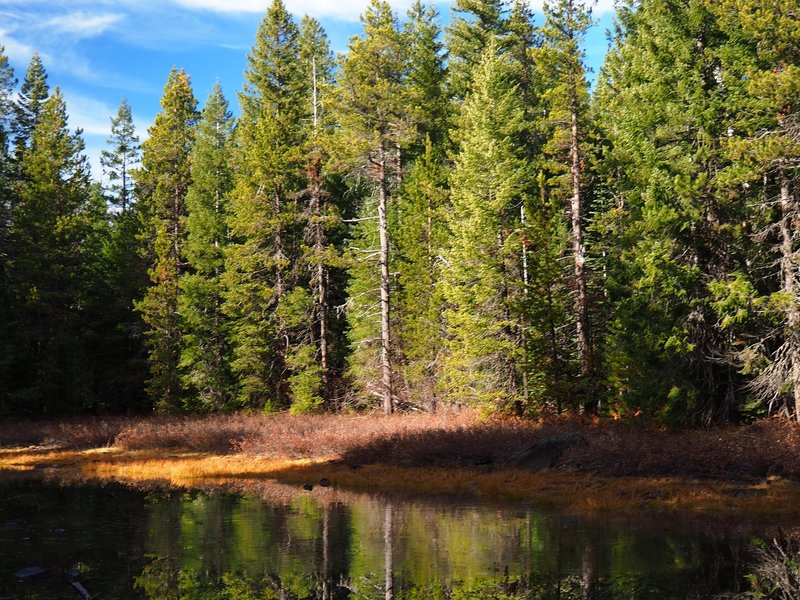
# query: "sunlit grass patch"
581 492
463 455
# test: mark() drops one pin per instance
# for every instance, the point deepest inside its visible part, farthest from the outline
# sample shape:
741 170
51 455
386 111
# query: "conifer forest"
442 214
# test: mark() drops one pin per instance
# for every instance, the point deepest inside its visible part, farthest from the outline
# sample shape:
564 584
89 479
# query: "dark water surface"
114 542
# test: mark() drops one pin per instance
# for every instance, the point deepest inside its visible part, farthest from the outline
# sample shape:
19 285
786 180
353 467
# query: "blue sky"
99 51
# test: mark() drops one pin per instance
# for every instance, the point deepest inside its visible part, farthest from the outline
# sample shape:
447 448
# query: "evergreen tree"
121 158
163 182
264 299
28 106
373 111
322 221
560 62
205 352
671 231
418 217
119 346
7 83
420 241
473 24
426 93
53 233
482 278
758 302
522 43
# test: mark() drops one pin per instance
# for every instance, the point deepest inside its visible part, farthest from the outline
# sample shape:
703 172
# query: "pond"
115 542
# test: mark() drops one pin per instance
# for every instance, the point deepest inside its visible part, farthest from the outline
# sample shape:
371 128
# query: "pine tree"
205 353
758 302
425 88
7 83
482 280
163 182
375 123
122 157
28 106
119 349
418 215
322 220
420 241
473 24
672 232
560 60
264 299
52 233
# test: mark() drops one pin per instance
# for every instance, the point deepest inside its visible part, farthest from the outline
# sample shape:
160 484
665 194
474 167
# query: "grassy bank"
754 468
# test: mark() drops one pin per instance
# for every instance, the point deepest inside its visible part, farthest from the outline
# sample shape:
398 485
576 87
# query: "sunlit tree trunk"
789 269
386 364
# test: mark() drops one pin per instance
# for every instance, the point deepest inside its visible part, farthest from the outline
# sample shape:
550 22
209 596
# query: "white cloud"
345 10
17 51
603 7
82 24
92 115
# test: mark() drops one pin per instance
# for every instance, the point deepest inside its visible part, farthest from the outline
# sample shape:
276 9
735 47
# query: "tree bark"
386 365
319 242
578 251
789 269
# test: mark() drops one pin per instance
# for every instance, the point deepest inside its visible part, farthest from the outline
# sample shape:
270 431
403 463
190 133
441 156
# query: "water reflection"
122 544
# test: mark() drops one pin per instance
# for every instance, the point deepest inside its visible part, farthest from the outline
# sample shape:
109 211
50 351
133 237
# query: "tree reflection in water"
336 546
391 550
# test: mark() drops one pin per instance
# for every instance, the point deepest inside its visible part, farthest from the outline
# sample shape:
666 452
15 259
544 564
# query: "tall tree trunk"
386 365
322 288
789 269
578 252
319 241
279 254
526 293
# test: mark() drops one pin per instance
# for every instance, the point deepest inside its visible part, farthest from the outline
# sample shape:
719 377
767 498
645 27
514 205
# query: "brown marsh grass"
621 465
446 439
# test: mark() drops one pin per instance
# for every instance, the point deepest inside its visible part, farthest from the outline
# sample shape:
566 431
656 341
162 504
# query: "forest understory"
620 466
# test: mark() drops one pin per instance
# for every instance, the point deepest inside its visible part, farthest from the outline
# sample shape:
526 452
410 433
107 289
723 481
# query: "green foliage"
375 120
421 238
474 24
29 104
122 156
162 183
425 88
482 280
54 238
673 231
352 237
7 83
263 262
205 350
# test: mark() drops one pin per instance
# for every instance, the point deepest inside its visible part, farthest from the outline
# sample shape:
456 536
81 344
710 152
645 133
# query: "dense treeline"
433 217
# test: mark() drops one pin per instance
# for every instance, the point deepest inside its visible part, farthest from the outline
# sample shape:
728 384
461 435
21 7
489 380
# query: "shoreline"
583 493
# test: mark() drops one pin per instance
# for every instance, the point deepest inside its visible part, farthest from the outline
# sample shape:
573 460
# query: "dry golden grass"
582 492
622 466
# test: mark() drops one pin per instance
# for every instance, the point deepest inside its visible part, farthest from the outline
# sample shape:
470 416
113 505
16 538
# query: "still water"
113 542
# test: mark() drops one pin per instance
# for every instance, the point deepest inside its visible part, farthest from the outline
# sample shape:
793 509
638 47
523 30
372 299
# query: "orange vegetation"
622 465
